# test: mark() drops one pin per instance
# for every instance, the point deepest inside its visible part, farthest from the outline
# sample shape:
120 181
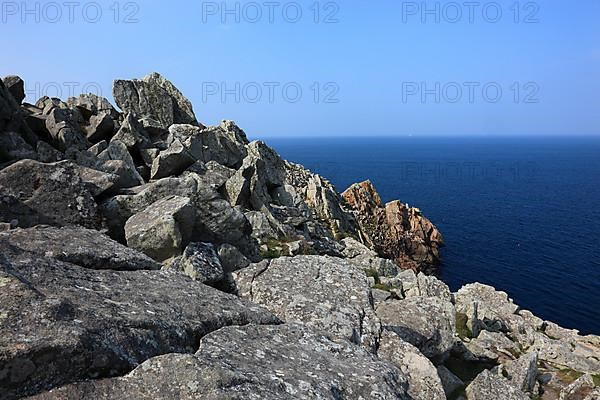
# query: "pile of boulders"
144 255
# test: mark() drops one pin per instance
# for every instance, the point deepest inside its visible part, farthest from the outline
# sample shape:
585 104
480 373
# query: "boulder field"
144 255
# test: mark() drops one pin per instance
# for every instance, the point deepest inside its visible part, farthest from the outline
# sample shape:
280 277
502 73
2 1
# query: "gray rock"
117 151
60 323
327 294
263 228
98 148
495 310
11 118
353 249
423 380
171 162
201 263
163 229
493 346
522 372
16 87
154 98
100 127
14 147
47 104
254 362
99 182
211 174
126 177
84 247
488 386
575 353
451 383
118 209
231 258
425 322
64 126
191 137
430 286
132 134
47 153
90 104
225 144
379 296
262 171
54 194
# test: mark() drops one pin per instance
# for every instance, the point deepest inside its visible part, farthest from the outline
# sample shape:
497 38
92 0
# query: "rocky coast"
145 255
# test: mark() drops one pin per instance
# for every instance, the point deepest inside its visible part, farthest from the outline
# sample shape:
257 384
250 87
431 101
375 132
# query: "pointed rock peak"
154 97
362 193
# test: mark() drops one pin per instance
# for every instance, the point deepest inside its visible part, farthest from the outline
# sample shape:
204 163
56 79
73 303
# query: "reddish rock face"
394 230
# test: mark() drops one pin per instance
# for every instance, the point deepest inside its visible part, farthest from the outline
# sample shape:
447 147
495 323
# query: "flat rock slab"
251 363
84 247
326 293
60 323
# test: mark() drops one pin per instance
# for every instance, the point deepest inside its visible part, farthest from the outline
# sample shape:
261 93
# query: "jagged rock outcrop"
394 230
155 100
16 87
254 362
111 224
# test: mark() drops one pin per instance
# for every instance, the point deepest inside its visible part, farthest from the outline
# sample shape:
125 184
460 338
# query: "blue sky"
362 75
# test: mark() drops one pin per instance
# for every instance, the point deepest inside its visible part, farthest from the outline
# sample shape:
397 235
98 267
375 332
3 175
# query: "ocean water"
521 214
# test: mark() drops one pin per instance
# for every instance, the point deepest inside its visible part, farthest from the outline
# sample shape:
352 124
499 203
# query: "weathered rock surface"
154 98
52 194
425 322
254 362
451 383
327 294
523 372
11 118
14 147
16 87
171 162
201 263
163 229
423 380
77 306
489 386
394 230
84 247
90 104
64 125
61 323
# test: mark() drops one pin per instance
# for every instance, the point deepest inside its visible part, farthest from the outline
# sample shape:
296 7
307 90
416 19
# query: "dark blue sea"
521 214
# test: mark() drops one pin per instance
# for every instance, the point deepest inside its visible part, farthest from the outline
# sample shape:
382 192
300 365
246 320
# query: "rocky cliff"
144 255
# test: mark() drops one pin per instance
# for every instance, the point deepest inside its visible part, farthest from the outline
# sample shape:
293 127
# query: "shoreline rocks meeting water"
145 255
